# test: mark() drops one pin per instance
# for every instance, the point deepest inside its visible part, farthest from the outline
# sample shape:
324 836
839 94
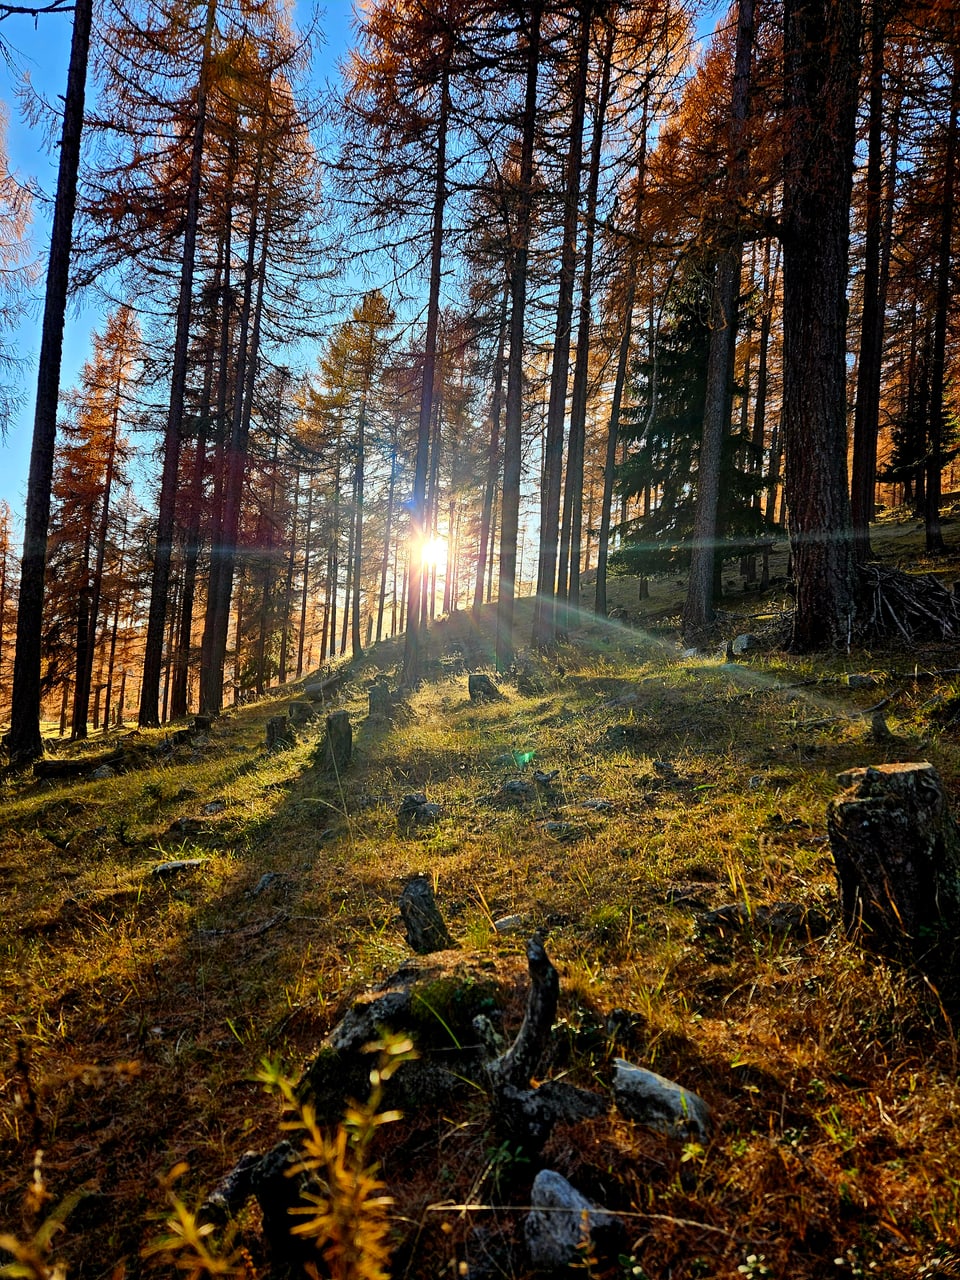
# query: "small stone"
562 1224
744 643
215 806
163 869
416 810
508 924
659 1103
546 779
596 805
861 682
755 782
516 787
103 772
560 830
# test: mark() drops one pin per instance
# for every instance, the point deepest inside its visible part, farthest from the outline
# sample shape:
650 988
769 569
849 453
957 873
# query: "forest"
513 479
638 303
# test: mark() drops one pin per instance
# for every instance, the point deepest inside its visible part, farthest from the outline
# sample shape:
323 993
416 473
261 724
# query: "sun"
433 553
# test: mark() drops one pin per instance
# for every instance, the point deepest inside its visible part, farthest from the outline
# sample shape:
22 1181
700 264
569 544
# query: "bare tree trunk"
821 48
418 523
160 581
512 436
544 615
698 612
25 741
934 535
570 532
485 547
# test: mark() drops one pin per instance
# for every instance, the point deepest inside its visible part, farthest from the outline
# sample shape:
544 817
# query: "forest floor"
136 1008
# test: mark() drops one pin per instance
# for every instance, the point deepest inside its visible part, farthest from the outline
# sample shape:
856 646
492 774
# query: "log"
897 854
54 767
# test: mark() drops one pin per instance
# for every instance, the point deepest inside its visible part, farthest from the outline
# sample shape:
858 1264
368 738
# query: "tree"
25 742
821 53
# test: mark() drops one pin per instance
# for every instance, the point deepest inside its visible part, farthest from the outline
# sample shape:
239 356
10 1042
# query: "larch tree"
821 75
25 742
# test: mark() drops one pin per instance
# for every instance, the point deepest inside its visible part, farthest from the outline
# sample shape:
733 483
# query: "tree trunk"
512 436
25 741
544 616
571 528
160 580
418 523
934 536
623 358
485 540
821 47
698 610
866 418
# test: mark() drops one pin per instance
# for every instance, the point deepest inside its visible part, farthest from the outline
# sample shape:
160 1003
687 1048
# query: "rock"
417 811
560 830
164 869
744 644
564 1227
861 681
517 789
781 918
660 1104
481 688
266 881
426 930
336 750
105 771
897 853
280 733
215 806
546 779
508 924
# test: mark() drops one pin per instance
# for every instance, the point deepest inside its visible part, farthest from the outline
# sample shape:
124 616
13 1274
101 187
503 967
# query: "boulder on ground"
563 1228
659 1103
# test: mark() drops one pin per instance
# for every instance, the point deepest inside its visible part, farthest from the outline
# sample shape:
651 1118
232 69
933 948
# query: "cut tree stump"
426 929
336 750
897 854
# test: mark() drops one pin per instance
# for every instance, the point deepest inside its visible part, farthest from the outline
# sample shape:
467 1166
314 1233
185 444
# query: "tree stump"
426 930
481 688
897 853
381 700
336 749
300 712
279 733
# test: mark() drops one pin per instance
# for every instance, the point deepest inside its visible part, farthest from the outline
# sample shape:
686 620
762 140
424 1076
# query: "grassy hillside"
137 1007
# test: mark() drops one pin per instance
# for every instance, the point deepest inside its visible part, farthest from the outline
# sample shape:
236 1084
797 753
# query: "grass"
136 1009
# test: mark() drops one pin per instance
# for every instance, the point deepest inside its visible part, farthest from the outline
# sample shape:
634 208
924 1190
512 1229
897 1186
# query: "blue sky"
41 49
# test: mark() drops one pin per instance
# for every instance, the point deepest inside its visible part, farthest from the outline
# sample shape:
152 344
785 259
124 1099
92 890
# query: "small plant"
753 1267
348 1217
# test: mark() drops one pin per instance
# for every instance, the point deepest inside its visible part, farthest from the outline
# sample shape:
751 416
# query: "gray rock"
861 681
103 772
744 643
516 788
562 1223
164 869
659 1103
508 924
417 811
215 806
